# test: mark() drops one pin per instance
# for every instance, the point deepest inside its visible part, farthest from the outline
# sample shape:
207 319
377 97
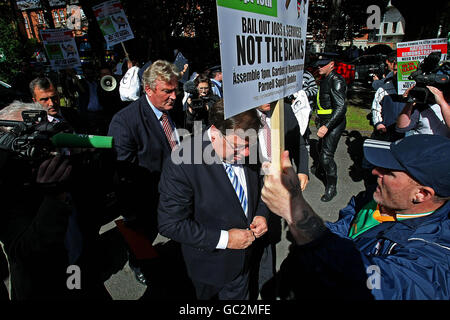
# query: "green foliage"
11 49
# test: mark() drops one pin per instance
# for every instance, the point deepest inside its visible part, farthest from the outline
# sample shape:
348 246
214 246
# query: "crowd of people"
222 212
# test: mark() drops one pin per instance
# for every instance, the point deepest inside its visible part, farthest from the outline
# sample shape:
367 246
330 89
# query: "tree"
339 20
424 20
13 48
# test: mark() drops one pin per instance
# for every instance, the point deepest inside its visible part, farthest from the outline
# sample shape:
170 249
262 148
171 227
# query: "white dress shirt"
239 171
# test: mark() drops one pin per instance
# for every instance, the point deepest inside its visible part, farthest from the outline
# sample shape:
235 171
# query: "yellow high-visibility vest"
320 109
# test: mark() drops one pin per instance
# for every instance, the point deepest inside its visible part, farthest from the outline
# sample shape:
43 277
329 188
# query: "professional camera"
31 138
198 103
35 138
430 72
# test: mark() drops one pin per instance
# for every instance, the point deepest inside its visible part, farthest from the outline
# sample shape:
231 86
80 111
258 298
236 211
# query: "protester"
388 244
130 86
264 256
97 106
211 205
331 109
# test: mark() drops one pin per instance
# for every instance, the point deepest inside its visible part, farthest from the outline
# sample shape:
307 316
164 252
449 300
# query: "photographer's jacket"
331 106
394 260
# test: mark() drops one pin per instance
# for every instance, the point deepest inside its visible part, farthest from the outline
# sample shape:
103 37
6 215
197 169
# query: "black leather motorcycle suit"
331 113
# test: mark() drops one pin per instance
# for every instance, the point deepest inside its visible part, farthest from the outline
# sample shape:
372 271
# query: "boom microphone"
69 140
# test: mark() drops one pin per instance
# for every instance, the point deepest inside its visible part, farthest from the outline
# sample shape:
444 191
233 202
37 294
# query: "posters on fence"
61 48
113 22
411 54
262 50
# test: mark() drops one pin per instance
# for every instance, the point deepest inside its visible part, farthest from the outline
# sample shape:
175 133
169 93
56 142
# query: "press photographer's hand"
438 95
51 173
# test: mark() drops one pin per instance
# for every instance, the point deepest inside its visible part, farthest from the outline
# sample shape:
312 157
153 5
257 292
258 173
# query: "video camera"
35 138
431 72
197 102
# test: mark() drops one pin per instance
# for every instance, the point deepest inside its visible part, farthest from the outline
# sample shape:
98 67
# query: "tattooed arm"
282 194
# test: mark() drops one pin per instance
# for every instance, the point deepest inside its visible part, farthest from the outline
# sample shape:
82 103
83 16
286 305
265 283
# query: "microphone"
69 140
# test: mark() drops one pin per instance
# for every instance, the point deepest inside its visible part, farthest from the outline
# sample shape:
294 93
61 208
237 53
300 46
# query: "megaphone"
108 83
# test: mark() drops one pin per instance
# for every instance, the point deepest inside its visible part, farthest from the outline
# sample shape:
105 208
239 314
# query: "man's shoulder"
337 78
132 107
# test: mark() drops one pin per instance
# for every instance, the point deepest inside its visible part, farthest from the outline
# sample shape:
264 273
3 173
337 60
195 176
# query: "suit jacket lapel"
225 184
252 192
155 125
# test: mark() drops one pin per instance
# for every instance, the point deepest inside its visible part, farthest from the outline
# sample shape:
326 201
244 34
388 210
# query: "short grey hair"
42 83
159 70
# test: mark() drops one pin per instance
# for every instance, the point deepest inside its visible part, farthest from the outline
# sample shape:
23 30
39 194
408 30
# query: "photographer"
34 221
425 118
199 102
52 209
426 110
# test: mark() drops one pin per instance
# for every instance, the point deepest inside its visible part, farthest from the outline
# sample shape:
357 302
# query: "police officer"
331 109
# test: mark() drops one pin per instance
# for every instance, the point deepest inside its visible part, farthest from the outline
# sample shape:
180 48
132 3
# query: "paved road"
123 286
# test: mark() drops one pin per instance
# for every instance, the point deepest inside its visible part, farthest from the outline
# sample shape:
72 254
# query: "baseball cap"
425 157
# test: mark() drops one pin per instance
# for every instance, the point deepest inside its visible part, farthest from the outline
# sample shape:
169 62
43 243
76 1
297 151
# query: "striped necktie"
237 186
168 130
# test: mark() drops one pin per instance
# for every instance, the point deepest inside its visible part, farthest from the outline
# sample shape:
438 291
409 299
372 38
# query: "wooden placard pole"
277 133
125 50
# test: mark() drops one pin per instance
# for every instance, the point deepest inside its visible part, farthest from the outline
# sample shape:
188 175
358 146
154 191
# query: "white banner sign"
113 22
262 49
61 48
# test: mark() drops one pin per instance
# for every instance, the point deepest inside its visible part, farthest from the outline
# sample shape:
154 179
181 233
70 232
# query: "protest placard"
411 54
61 48
113 22
262 50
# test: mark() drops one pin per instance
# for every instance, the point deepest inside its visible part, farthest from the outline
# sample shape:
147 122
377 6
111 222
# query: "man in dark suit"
144 135
210 203
265 250
44 92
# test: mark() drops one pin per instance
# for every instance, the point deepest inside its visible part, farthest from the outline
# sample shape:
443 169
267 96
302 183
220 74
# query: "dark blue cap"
425 157
322 62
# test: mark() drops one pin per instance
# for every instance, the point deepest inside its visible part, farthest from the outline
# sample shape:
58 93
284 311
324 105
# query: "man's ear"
148 90
424 194
214 131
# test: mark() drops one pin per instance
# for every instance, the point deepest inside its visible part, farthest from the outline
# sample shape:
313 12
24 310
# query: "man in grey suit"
211 204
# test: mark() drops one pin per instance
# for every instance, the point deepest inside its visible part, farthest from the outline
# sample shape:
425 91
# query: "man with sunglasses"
210 203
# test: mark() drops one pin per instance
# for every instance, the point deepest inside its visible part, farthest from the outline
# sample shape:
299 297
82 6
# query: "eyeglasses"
238 148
